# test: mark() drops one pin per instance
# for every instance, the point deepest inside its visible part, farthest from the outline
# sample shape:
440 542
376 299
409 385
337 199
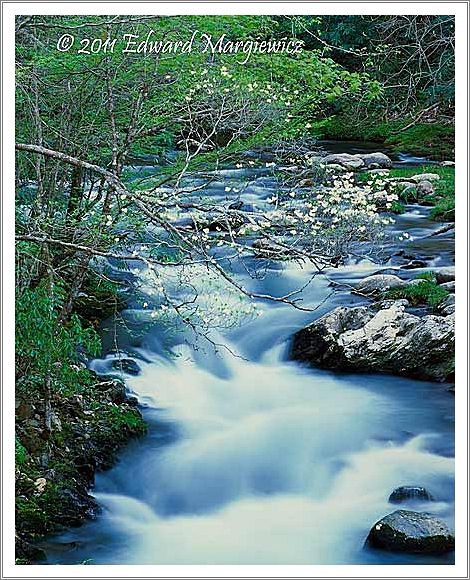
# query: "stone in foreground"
413 532
410 493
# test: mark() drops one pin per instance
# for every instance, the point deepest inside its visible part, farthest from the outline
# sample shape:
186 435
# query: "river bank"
432 140
63 441
217 422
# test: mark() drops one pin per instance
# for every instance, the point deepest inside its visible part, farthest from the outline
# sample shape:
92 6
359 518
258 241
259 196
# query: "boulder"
377 284
449 286
335 167
126 365
424 187
349 162
410 493
447 163
388 340
412 532
425 177
376 160
447 306
383 172
446 274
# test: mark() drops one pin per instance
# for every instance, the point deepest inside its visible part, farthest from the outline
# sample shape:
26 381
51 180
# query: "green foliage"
444 209
45 349
21 454
427 292
397 207
443 198
429 276
122 420
432 140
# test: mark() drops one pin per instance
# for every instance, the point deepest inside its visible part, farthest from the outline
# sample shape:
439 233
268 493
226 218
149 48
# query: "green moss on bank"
425 291
433 140
69 421
443 198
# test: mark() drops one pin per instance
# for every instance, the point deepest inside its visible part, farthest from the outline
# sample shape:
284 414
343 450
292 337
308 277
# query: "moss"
91 426
433 140
443 198
429 140
397 207
21 454
427 292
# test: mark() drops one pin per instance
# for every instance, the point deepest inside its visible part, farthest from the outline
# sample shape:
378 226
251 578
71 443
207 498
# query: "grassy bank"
69 421
433 140
443 197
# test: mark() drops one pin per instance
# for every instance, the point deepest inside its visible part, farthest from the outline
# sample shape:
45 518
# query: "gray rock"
416 281
378 283
447 163
425 187
389 303
425 177
410 493
449 286
350 162
388 340
446 274
126 365
383 172
378 160
336 167
413 532
447 306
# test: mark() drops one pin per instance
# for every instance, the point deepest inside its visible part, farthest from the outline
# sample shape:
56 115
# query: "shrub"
426 292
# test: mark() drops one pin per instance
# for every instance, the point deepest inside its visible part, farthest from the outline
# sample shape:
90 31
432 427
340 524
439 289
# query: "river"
251 458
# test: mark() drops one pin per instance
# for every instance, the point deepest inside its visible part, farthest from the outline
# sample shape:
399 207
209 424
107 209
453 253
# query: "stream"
251 458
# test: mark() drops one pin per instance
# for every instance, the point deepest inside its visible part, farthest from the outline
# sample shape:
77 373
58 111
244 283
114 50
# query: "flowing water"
253 459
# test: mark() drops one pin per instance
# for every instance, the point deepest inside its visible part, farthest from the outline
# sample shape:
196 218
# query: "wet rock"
413 532
410 492
425 187
186 223
126 365
376 161
425 177
349 162
447 306
449 286
446 274
388 340
377 284
228 221
114 389
383 172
